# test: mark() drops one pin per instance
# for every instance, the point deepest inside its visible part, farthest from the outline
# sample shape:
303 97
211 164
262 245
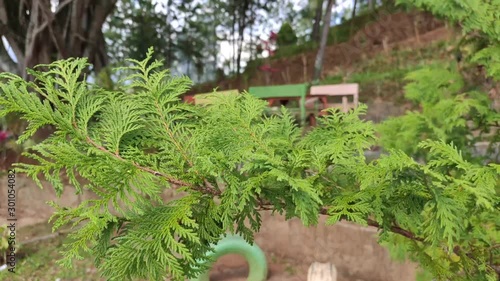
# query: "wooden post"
345 105
416 23
322 272
385 44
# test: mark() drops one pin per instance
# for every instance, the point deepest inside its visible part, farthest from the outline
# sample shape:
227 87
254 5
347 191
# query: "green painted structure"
284 91
235 244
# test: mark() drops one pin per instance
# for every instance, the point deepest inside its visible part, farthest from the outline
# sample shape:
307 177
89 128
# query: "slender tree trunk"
170 31
354 6
233 39
215 40
351 28
318 65
371 4
238 56
242 24
252 49
317 21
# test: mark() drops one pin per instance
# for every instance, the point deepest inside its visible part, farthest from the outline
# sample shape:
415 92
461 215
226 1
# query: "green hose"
234 244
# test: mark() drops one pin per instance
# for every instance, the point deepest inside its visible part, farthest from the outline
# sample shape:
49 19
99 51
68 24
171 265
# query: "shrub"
232 162
286 35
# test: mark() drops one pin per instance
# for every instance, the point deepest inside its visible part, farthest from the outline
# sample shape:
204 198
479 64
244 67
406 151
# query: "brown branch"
34 30
47 22
394 229
398 230
56 36
145 169
207 189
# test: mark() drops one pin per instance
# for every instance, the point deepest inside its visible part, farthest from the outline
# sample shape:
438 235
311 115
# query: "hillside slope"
391 31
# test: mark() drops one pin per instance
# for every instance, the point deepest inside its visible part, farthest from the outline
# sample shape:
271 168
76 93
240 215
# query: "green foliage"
4 243
446 113
286 35
449 110
231 161
452 112
292 50
477 18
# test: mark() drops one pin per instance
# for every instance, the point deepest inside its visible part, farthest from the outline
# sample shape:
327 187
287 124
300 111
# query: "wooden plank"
335 90
342 90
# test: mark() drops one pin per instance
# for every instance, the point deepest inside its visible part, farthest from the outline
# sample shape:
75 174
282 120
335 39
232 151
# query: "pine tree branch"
170 179
209 188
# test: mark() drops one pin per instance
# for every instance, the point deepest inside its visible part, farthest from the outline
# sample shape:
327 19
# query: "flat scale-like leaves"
232 162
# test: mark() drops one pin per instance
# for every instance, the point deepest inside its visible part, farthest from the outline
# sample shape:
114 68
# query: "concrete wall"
353 249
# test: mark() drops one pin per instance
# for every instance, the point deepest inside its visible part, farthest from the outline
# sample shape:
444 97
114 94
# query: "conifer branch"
117 156
398 230
395 229
277 168
208 189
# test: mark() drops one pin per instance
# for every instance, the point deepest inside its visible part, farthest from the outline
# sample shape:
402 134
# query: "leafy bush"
286 35
232 162
449 110
446 114
291 50
454 112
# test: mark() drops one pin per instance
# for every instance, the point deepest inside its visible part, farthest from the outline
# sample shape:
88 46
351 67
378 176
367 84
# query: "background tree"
41 31
136 25
317 6
149 29
318 64
286 35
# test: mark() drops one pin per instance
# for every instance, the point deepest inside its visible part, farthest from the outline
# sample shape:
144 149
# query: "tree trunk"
317 21
371 4
38 35
242 25
351 28
353 14
238 58
233 43
318 65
